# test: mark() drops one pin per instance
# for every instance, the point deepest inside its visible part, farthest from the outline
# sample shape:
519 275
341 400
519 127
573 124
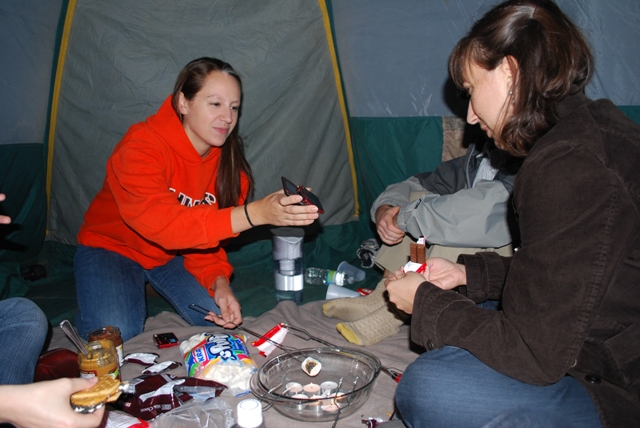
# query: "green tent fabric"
11 282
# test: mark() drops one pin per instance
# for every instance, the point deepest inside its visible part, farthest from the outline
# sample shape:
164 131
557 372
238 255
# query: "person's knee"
129 321
24 311
429 387
414 389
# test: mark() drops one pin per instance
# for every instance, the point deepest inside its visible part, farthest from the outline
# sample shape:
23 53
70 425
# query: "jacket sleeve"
398 194
447 178
567 201
207 265
475 217
446 210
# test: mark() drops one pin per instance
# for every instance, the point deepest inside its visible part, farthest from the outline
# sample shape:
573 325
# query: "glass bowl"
341 387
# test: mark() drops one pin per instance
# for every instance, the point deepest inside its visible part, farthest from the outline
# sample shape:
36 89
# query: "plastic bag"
221 357
215 413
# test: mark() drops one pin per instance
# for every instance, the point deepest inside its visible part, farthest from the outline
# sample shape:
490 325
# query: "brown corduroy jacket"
571 293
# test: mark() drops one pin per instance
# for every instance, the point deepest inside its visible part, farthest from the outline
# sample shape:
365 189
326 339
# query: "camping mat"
394 352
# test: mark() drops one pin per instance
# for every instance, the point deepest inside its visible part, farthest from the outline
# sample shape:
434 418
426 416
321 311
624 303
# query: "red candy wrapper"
276 334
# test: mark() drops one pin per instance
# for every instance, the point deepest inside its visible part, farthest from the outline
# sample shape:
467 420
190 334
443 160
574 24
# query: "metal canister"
109 333
101 360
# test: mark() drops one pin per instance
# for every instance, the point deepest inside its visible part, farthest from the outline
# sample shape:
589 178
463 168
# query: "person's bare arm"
46 404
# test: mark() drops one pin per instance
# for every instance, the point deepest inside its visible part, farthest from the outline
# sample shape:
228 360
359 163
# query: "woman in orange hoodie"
176 187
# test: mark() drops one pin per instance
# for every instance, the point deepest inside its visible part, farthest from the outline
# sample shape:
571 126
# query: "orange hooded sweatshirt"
158 200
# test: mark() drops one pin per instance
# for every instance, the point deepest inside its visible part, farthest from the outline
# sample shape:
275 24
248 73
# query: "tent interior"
345 97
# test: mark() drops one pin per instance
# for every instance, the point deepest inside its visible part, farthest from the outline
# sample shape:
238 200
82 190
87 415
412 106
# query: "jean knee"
414 389
26 313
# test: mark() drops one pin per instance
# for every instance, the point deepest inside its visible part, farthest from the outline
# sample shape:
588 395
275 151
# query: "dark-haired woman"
565 348
174 191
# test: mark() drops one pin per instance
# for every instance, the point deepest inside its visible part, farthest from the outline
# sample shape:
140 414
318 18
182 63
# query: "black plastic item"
33 273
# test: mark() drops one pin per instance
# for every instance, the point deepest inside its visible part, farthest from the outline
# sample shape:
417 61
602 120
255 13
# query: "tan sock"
354 308
371 329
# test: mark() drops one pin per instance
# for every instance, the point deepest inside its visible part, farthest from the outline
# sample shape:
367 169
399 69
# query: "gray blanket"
393 352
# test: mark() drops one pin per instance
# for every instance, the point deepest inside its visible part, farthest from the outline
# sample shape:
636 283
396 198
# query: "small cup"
333 404
316 405
292 388
302 404
355 273
311 389
328 387
336 292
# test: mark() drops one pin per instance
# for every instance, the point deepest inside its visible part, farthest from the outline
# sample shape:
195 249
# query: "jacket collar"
572 102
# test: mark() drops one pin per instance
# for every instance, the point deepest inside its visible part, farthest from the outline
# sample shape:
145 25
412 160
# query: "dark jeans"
23 330
111 291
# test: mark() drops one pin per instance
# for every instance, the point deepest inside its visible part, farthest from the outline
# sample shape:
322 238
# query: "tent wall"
393 60
393 55
123 60
28 31
123 57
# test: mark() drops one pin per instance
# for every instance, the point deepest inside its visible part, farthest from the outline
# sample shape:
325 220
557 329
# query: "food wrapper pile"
220 357
148 396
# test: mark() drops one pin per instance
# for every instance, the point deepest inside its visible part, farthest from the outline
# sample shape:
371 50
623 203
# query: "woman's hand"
46 404
402 289
3 218
445 274
387 224
228 304
276 209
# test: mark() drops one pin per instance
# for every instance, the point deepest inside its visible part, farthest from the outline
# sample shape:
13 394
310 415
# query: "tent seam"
336 75
64 44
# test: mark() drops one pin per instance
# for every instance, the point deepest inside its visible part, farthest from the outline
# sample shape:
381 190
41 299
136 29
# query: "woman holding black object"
566 344
173 193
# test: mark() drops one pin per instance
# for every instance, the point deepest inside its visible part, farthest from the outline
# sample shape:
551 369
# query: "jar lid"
249 413
110 329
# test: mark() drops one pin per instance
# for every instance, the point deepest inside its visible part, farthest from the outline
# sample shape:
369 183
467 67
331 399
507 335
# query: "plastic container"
287 263
337 292
352 271
249 414
318 276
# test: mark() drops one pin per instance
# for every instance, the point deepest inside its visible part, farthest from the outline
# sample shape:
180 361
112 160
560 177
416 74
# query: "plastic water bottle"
314 275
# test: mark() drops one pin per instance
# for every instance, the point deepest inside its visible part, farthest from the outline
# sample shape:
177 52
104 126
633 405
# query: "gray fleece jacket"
453 212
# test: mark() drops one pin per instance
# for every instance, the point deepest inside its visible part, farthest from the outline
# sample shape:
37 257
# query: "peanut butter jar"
102 360
109 333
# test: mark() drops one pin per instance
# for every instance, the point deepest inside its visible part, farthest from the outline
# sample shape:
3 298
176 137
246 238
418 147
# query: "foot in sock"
354 308
372 328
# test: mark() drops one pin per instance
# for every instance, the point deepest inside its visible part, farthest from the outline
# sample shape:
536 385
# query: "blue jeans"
23 330
111 291
449 387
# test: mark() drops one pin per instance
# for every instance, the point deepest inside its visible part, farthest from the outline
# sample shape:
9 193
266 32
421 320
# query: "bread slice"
106 390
